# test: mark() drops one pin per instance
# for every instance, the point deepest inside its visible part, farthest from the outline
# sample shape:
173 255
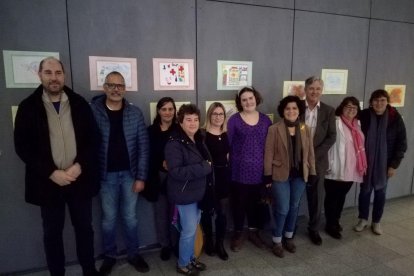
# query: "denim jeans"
189 218
53 218
364 201
286 195
116 193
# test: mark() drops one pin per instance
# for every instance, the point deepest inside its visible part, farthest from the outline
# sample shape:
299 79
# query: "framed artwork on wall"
229 106
21 67
99 67
173 74
335 81
294 88
397 94
233 75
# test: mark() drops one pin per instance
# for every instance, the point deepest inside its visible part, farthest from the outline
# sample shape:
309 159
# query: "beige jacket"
276 159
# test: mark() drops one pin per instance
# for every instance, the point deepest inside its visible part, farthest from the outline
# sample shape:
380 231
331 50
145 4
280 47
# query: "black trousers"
220 222
246 202
315 193
334 200
80 211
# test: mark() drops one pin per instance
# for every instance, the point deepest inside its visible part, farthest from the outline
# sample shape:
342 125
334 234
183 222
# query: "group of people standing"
191 173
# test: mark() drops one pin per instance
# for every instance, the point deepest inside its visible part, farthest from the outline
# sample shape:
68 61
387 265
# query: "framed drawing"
173 74
229 106
397 94
233 75
153 108
335 81
294 88
99 67
21 67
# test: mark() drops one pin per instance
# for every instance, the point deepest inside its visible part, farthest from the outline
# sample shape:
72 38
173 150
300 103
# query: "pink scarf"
358 144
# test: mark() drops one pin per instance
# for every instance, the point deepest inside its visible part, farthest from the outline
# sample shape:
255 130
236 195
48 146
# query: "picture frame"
294 88
396 93
335 81
229 106
21 67
173 74
233 75
100 66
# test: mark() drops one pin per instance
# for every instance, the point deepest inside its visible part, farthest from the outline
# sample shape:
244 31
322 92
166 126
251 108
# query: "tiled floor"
356 254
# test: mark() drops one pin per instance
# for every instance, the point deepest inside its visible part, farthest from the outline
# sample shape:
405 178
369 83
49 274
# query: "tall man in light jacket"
123 160
55 135
320 118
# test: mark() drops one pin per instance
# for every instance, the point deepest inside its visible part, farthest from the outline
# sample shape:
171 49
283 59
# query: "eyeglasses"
217 114
112 86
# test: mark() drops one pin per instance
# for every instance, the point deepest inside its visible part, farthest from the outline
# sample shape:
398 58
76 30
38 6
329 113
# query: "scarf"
357 138
376 147
294 154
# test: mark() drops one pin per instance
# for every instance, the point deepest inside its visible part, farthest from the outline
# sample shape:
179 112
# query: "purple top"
247 144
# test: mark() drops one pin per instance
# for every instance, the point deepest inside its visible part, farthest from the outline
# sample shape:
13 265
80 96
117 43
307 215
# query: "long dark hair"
160 104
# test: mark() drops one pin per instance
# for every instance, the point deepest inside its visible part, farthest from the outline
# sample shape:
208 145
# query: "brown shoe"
255 238
289 245
277 249
236 242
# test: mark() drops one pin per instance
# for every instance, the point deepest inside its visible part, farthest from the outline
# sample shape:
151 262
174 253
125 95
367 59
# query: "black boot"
209 246
221 251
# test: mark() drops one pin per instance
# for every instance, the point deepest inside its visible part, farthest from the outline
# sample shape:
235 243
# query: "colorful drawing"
294 88
173 74
233 75
397 94
153 109
99 67
21 67
335 81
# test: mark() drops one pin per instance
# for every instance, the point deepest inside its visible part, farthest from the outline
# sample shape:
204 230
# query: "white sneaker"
362 224
376 228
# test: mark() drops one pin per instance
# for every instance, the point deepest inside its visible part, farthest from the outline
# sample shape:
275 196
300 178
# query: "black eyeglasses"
217 114
112 86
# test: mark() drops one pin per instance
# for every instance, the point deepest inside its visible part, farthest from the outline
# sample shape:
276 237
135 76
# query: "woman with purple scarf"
347 163
385 144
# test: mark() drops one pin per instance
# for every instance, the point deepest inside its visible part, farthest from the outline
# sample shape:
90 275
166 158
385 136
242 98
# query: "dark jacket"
187 169
135 133
158 139
396 135
32 144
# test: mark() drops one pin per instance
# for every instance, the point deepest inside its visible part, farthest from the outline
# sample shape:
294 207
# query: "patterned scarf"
358 144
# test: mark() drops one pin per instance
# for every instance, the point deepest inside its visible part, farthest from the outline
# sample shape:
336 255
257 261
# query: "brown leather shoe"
277 249
236 242
289 245
255 238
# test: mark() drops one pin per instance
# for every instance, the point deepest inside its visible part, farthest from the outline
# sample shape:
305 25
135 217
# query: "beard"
54 88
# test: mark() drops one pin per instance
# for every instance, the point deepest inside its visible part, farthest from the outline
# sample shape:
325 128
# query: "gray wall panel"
391 61
330 42
240 36
267 3
24 26
345 7
398 10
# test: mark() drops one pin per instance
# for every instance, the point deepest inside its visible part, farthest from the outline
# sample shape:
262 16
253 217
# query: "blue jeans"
189 218
364 201
286 195
116 193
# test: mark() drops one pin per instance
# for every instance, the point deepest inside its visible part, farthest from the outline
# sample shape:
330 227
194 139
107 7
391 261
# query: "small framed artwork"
153 109
271 117
397 94
229 106
99 67
335 81
173 74
294 88
21 67
233 75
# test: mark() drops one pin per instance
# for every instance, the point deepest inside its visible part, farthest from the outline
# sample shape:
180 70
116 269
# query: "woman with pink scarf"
347 163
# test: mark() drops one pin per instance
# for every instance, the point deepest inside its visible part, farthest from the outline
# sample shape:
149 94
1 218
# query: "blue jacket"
187 170
135 133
